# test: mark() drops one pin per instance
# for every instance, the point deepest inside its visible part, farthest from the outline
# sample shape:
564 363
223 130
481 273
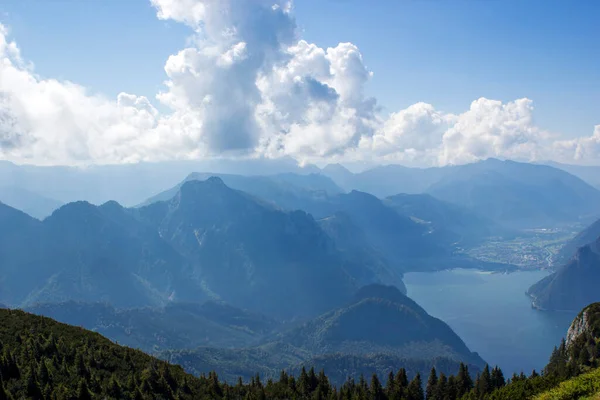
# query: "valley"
529 250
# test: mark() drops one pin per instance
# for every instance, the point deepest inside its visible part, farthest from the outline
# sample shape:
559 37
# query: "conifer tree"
415 389
464 383
376 389
441 390
432 382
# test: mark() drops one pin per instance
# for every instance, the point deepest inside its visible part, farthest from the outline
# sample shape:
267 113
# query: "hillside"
365 262
572 286
379 330
42 358
249 253
380 319
174 326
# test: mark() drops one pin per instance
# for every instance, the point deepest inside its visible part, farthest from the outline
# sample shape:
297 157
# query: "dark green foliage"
43 359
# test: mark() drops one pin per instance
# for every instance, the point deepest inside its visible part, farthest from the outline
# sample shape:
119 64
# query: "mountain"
590 174
208 241
340 175
518 194
588 235
174 326
573 285
251 253
88 253
386 180
378 331
366 263
391 230
289 191
450 222
380 319
29 202
406 244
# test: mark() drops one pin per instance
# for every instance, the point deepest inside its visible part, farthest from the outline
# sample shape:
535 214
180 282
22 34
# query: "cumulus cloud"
247 85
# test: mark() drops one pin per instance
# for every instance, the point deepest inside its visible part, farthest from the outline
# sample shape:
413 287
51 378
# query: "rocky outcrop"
585 327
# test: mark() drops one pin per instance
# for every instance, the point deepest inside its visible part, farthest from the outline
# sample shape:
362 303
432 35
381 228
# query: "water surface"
492 314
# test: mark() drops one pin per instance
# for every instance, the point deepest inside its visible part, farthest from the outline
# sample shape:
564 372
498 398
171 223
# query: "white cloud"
247 85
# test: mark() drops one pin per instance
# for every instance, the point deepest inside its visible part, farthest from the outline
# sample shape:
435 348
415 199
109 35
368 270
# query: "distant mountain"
518 194
29 202
448 221
398 238
174 326
588 235
289 191
130 184
573 285
381 319
590 174
386 180
250 253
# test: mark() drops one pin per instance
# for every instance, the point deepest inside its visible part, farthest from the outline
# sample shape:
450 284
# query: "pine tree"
464 383
451 388
303 383
415 389
390 386
401 382
432 382
441 390
497 378
484 383
376 389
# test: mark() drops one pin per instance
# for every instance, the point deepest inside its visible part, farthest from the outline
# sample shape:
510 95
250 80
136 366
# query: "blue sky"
445 52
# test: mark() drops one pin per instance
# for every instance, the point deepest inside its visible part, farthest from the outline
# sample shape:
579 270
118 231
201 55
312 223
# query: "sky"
416 82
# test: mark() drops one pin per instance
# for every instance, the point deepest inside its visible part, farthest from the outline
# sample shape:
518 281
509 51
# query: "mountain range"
514 194
409 231
29 202
208 242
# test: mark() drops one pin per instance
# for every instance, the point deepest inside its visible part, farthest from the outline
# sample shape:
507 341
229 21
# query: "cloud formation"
248 85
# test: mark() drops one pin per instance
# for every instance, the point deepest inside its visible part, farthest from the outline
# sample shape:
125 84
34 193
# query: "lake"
492 314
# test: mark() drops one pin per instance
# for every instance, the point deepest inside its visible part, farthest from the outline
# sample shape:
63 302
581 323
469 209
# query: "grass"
583 387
